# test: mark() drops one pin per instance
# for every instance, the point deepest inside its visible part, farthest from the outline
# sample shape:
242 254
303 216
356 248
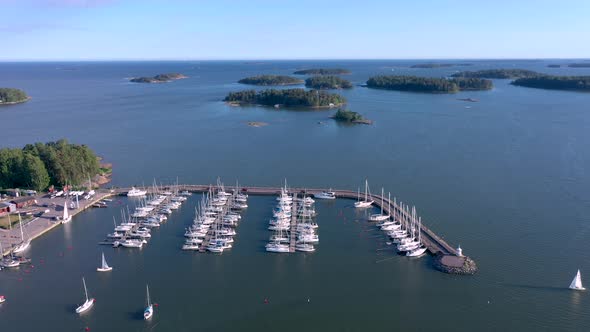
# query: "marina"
435 244
214 223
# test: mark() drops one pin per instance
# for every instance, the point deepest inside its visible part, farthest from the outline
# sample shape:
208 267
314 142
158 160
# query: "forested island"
554 66
428 84
348 116
9 96
579 65
439 65
327 82
271 80
39 165
576 83
286 97
160 78
497 73
322 71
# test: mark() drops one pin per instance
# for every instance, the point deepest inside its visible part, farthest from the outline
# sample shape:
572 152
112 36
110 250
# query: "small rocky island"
160 78
322 71
348 116
11 96
551 82
497 73
327 82
428 84
554 66
266 80
287 98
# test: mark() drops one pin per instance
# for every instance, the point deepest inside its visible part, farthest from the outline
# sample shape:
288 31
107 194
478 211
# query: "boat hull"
104 269
148 313
85 307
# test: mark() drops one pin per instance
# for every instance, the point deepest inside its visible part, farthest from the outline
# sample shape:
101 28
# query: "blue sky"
292 29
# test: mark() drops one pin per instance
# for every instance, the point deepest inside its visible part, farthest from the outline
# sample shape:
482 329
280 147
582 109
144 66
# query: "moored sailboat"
366 202
23 245
66 216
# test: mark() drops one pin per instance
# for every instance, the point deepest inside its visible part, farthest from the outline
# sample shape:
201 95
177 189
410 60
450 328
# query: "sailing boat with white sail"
366 203
23 245
577 282
88 303
8 261
148 312
380 216
104 267
66 217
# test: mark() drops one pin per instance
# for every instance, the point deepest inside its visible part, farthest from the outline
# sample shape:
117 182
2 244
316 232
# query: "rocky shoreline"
15 102
448 264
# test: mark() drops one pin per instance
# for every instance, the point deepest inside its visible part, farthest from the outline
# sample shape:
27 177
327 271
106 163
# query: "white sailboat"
2 299
88 303
148 312
23 245
366 203
577 282
379 216
66 217
9 261
104 267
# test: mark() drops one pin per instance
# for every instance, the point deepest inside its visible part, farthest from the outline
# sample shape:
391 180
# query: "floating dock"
434 243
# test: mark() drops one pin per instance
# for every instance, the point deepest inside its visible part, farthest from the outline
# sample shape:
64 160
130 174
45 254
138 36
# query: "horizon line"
284 59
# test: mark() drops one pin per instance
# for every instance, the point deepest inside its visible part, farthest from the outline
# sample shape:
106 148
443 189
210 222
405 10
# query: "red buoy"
86 328
156 305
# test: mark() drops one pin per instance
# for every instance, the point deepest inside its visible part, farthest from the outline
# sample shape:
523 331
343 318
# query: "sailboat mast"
382 194
148 295
366 189
20 222
389 204
85 290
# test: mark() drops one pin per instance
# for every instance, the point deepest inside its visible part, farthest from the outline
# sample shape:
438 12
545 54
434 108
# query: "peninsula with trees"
327 82
11 96
322 71
160 78
551 82
351 117
497 73
39 165
428 84
265 80
287 97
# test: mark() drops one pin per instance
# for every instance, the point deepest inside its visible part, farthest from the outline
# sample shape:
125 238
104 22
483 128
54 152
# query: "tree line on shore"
578 83
271 80
11 95
286 97
39 165
428 84
327 82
